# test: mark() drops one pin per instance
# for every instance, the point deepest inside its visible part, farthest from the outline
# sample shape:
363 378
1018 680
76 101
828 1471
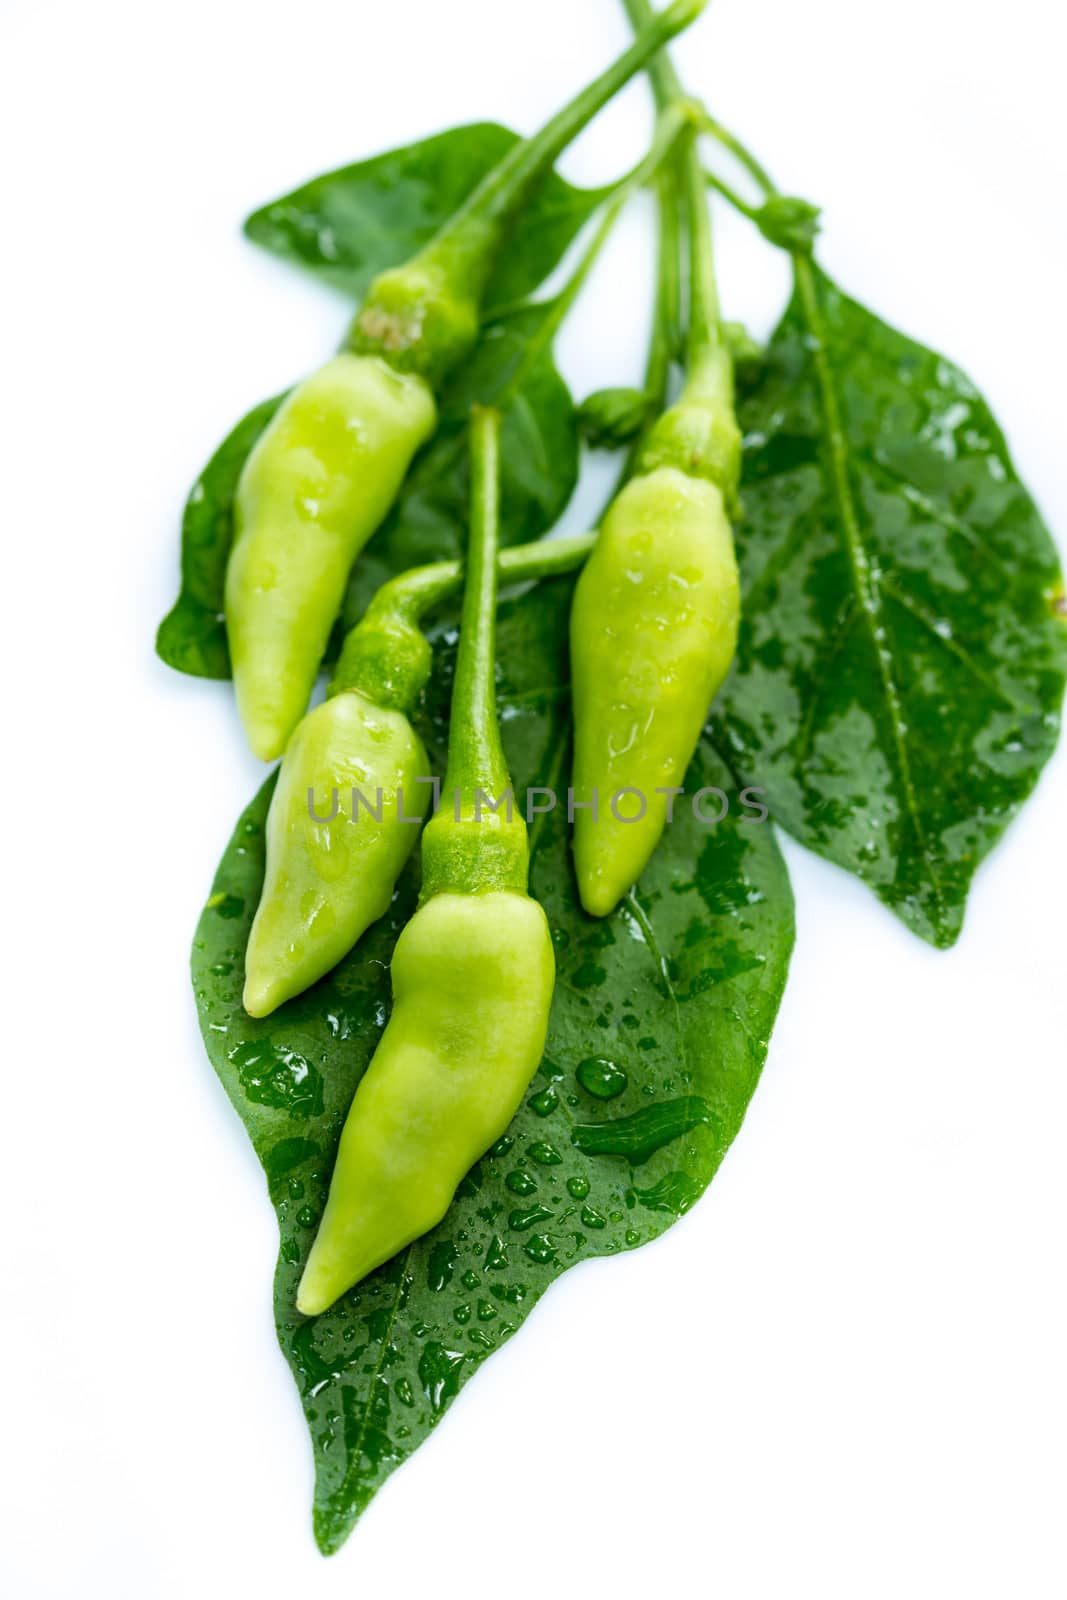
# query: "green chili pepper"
315 487
472 973
355 782
657 608
330 464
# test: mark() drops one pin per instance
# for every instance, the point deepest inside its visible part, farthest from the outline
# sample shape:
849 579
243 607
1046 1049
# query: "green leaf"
512 368
659 1031
902 659
192 636
349 225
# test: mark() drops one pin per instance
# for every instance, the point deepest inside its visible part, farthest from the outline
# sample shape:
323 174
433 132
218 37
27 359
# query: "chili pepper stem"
729 141
476 844
414 593
475 754
666 84
730 195
669 129
667 314
505 187
705 328
708 373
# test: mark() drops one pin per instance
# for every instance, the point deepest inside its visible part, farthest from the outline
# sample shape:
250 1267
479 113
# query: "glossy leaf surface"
347 226
902 659
192 636
659 1031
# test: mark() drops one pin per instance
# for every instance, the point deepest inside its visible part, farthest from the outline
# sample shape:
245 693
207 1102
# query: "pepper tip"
259 999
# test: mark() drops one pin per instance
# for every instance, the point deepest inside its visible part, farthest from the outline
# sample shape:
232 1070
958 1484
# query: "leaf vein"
864 582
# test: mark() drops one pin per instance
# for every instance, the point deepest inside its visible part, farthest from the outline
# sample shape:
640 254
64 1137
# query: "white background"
842 1376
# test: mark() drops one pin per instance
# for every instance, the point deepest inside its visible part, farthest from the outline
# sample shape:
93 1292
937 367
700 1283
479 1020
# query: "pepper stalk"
476 843
423 316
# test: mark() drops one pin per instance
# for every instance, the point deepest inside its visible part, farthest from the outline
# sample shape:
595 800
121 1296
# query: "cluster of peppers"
653 632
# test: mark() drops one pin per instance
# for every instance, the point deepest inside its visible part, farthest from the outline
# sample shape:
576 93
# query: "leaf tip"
331 1528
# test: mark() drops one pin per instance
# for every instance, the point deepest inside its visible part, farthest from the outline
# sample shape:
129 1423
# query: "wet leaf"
349 225
192 636
659 1030
902 659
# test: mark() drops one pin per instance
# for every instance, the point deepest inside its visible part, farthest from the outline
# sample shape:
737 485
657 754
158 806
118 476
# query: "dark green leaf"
902 659
659 1031
192 636
349 225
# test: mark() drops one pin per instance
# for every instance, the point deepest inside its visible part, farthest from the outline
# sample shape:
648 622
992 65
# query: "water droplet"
274 1075
540 1248
520 1182
439 1371
545 1103
639 1136
601 1078
546 1155
440 1265
520 1220
496 1257
226 905
578 1188
513 1294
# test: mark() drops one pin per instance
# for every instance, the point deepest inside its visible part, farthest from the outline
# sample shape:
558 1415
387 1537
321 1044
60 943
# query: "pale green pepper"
657 609
315 487
653 633
355 783
473 974
331 868
329 465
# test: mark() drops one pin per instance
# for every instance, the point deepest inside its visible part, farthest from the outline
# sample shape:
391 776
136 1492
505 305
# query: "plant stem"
730 141
666 137
704 314
666 84
667 314
411 595
475 754
730 195
666 317
467 239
